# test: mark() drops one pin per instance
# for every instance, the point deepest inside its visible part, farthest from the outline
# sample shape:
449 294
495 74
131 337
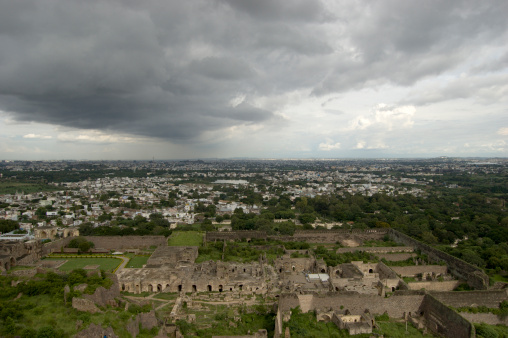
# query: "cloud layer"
331 76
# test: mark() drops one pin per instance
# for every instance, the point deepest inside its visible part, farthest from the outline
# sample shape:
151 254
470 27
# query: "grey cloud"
225 68
169 69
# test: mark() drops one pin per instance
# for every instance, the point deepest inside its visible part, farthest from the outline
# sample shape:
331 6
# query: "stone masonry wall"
411 271
435 286
444 321
126 242
472 298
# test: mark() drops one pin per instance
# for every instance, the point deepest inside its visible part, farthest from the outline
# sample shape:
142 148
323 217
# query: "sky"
164 79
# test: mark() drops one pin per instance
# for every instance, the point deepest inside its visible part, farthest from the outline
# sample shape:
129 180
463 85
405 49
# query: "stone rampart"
435 286
487 318
234 235
411 271
399 304
377 249
126 242
474 276
310 236
55 246
442 320
489 299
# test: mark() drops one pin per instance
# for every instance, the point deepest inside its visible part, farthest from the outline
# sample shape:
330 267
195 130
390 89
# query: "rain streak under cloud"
228 78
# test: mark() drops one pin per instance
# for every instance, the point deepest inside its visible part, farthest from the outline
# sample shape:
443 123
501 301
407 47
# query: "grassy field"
137 262
107 264
12 187
185 238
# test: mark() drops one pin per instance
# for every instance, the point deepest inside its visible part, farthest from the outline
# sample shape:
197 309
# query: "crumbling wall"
474 276
234 235
411 271
444 321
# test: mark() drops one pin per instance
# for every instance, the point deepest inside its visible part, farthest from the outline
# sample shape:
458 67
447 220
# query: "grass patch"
137 262
12 187
393 329
106 264
185 238
166 296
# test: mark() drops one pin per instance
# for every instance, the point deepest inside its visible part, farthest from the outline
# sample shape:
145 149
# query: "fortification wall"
487 318
471 298
399 304
234 235
443 320
474 276
380 249
288 301
310 236
126 242
396 306
55 246
435 286
385 272
411 271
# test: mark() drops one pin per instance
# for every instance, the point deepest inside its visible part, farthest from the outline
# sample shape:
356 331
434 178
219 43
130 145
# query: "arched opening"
179 287
159 288
167 287
43 234
6 265
230 289
220 288
137 289
123 287
371 271
194 288
393 288
150 287
209 288
337 272
240 287
293 267
280 270
323 271
244 270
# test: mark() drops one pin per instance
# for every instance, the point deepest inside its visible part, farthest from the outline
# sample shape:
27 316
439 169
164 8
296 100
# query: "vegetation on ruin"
502 310
491 331
219 320
332 258
36 307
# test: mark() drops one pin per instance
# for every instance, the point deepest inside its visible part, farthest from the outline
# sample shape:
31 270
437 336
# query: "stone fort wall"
474 276
310 236
490 299
126 242
444 321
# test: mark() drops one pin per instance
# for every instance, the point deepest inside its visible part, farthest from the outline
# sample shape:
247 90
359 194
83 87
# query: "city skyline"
107 80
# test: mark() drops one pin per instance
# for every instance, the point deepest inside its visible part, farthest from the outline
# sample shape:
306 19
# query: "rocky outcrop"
147 320
96 331
84 305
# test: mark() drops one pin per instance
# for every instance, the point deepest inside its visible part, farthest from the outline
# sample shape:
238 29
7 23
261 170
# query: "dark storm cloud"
170 69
